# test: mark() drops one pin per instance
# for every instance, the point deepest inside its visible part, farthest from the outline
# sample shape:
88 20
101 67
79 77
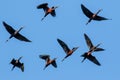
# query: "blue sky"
69 26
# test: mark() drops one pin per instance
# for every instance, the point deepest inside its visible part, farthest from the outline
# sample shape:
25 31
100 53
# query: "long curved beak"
56 7
20 29
99 11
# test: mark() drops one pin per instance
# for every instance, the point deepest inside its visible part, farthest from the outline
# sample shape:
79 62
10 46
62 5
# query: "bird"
15 33
88 55
48 61
17 63
67 50
92 16
47 10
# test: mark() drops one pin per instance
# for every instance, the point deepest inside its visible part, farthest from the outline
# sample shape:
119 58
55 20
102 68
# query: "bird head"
75 48
54 7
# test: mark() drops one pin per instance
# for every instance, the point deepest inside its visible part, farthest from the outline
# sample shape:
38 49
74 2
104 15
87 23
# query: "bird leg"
64 58
89 21
83 59
45 67
9 38
45 15
13 67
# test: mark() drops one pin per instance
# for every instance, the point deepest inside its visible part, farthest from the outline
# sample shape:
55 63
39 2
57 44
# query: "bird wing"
21 37
13 61
88 41
8 28
86 11
43 6
22 67
99 49
44 57
54 64
53 13
64 46
99 18
93 59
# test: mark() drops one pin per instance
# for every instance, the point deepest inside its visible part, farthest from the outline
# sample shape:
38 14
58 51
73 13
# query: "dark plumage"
90 44
15 33
17 63
92 16
48 61
92 49
47 10
91 58
66 48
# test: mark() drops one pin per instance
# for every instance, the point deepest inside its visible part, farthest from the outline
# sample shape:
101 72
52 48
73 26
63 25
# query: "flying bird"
48 61
67 50
88 55
92 16
17 63
47 10
15 33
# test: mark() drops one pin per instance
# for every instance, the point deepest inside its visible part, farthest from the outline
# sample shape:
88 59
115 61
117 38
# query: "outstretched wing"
54 64
88 41
53 13
21 37
93 59
8 28
44 57
64 46
43 6
99 18
86 11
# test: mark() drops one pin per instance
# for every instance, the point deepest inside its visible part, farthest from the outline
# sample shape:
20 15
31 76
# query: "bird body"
49 10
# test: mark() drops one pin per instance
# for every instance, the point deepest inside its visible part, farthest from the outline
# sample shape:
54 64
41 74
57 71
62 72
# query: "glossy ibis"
17 63
48 61
15 33
92 16
47 10
67 50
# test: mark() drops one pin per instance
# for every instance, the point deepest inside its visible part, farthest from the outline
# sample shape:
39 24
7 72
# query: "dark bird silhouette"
48 61
47 10
66 48
92 49
17 63
92 16
15 33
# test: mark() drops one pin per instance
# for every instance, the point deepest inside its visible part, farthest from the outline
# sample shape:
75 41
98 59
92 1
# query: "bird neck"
98 11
